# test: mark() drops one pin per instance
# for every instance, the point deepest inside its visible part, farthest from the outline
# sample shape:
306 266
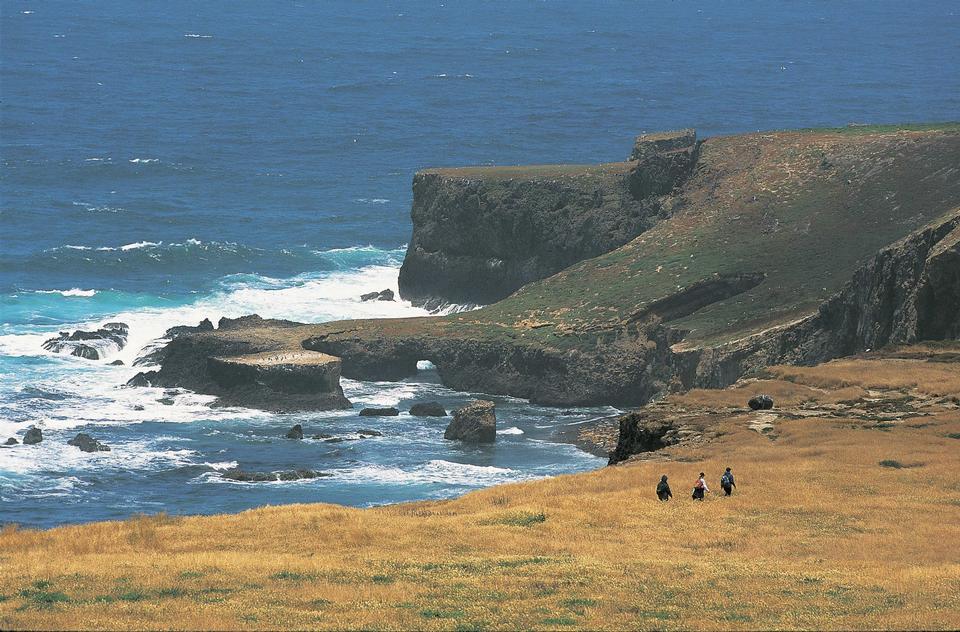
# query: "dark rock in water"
760 402
295 433
139 407
379 412
11 441
334 440
428 409
476 422
86 443
86 352
32 436
243 476
91 345
116 363
173 332
248 477
295 475
142 379
166 401
383 295
322 436
370 433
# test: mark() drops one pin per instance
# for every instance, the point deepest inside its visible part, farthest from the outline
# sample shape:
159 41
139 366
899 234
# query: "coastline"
589 550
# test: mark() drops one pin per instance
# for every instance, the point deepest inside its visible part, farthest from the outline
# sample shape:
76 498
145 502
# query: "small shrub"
43 599
321 603
523 561
578 603
739 618
442 614
953 435
190 574
660 615
559 621
41 584
523 519
897 464
382 579
132 595
293 577
171 592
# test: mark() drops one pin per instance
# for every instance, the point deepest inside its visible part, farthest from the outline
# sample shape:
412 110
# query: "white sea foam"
197 36
138 244
310 298
222 465
372 200
71 292
144 161
435 471
513 430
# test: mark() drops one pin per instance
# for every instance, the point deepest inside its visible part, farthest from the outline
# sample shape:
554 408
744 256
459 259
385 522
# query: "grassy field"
837 522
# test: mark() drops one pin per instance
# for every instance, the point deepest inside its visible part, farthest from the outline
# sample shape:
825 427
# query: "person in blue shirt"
727 482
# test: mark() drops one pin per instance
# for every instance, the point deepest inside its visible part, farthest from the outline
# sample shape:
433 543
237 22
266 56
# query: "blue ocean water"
165 162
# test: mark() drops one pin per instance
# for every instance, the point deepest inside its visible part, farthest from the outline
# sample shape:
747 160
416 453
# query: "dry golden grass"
817 535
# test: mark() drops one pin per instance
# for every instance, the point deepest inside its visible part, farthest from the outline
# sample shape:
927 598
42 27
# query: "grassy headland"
846 515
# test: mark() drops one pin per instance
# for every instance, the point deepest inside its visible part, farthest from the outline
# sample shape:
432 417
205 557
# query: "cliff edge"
481 233
785 247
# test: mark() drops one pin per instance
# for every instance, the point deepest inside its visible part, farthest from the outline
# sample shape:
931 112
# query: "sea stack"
475 423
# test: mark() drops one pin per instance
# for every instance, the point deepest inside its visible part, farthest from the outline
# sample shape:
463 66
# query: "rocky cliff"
788 247
479 234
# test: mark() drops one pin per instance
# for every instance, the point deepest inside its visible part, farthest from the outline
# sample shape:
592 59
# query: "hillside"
846 516
786 247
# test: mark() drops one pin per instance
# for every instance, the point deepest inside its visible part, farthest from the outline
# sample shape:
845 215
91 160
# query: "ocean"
166 162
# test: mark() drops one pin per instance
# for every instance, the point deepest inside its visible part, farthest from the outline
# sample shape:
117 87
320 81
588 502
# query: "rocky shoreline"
681 298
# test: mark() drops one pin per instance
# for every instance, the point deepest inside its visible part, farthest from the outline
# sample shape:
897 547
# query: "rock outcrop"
244 476
295 433
86 443
474 423
479 234
11 441
250 362
428 409
380 412
32 436
382 295
760 402
90 345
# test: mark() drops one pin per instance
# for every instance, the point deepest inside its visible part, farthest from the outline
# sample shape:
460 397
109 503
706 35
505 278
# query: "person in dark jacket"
663 489
727 482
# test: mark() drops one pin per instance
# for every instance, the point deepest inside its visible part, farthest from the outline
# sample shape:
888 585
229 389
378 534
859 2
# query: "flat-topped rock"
647 145
281 358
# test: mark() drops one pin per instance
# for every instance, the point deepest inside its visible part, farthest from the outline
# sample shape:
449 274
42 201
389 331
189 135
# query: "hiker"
663 489
727 482
700 487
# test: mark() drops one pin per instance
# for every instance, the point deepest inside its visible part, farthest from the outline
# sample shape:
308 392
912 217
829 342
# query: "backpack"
725 480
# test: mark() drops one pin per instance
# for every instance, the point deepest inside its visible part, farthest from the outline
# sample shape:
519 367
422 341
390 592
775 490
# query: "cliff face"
789 247
479 234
